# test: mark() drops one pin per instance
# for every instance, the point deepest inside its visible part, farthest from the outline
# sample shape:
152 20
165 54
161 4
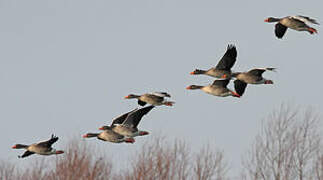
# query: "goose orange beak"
14 147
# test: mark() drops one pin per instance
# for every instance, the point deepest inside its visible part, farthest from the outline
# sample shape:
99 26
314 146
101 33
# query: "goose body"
126 130
218 88
127 123
253 76
223 68
297 23
155 99
41 148
110 136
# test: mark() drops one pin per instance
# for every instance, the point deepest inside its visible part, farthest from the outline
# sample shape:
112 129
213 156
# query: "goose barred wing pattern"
305 19
161 94
260 71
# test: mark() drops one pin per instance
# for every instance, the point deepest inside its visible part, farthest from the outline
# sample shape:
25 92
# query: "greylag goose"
42 148
218 88
297 23
127 123
253 76
156 99
223 68
109 135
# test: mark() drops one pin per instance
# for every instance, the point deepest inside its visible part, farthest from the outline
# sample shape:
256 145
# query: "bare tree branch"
286 147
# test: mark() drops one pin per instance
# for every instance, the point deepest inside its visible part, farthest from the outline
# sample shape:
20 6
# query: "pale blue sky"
65 66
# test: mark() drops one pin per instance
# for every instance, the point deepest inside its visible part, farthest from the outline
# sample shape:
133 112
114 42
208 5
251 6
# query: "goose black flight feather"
280 30
120 119
134 118
49 143
228 59
240 87
27 153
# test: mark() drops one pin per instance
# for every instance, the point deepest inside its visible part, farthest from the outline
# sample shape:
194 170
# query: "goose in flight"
223 69
218 88
253 76
110 136
298 23
42 148
155 99
127 123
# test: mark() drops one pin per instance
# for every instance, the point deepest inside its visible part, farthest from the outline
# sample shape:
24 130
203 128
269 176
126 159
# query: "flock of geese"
124 127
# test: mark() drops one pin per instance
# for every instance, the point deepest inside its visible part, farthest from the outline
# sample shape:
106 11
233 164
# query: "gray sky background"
65 67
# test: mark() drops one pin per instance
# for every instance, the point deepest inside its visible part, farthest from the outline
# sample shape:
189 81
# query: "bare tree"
37 170
78 163
286 148
7 171
209 165
166 161
318 172
160 160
